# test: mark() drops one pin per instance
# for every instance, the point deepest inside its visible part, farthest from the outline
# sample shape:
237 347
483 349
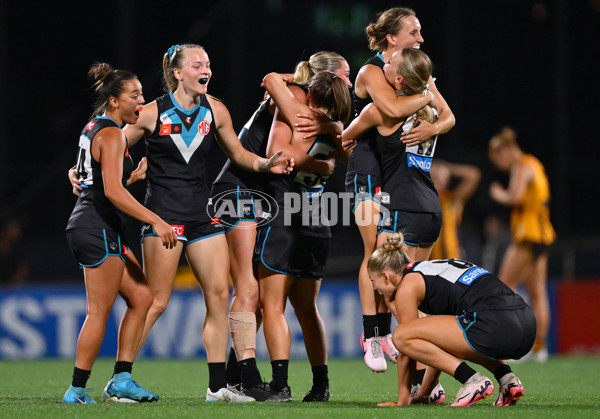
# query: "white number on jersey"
84 161
314 180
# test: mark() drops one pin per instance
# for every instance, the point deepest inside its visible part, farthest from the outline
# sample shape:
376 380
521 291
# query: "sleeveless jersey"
177 151
298 195
93 208
530 221
454 286
405 172
364 157
254 137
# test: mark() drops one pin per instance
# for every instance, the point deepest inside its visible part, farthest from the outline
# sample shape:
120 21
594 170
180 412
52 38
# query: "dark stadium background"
531 64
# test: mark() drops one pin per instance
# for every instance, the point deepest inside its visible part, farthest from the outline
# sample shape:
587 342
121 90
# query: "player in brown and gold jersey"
526 259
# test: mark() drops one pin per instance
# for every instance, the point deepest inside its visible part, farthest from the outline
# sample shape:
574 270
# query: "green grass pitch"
564 387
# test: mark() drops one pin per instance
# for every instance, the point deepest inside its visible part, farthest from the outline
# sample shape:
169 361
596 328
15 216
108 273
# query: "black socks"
233 373
384 323
377 325
464 372
418 378
122 366
280 373
501 371
320 376
216 376
250 375
80 377
369 326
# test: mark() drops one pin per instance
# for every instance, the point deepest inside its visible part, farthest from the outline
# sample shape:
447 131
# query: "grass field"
564 387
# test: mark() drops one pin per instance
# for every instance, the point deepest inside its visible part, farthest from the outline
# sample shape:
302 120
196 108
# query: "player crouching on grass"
474 316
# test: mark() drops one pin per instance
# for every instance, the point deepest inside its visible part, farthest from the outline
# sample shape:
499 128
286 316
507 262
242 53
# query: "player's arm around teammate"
291 103
95 235
241 230
295 275
187 73
395 29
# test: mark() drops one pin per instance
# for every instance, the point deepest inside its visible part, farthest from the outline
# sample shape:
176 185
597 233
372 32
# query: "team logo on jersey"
186 137
90 125
423 163
178 229
472 274
168 129
204 127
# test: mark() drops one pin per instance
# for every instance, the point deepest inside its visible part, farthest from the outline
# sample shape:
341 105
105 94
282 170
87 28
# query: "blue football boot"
78 395
121 388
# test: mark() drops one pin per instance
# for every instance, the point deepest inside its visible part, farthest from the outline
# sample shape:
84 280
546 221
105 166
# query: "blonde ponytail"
391 255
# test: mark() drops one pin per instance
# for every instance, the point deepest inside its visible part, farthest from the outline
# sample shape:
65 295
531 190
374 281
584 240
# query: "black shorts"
363 187
240 206
418 228
91 246
536 249
499 333
189 231
292 253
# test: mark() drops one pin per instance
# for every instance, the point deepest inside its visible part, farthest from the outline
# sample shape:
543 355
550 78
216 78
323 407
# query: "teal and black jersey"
254 137
365 158
359 103
495 321
454 286
405 172
298 195
177 152
93 208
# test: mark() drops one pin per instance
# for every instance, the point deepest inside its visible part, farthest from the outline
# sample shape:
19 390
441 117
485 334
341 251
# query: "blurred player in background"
453 197
526 259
